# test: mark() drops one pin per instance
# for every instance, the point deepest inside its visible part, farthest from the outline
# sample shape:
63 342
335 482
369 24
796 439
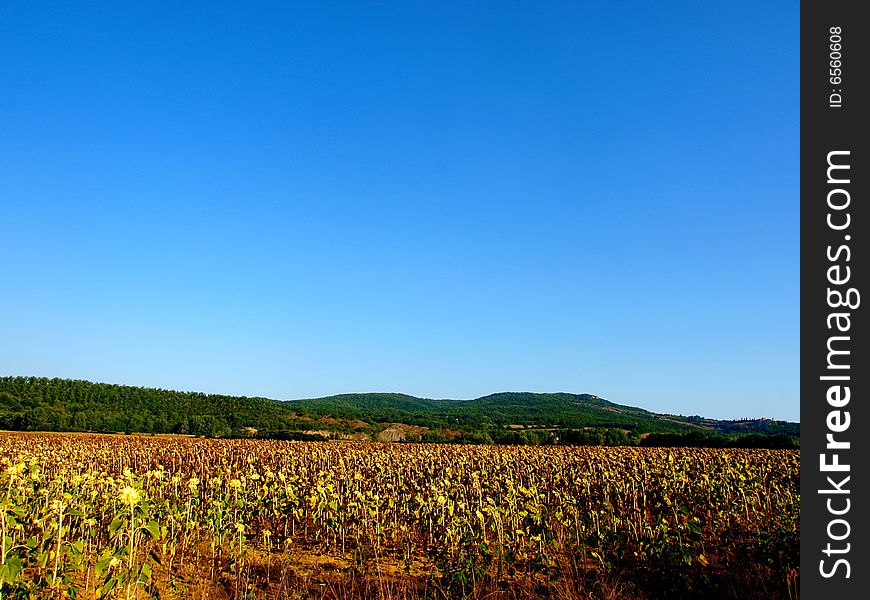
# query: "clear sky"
443 199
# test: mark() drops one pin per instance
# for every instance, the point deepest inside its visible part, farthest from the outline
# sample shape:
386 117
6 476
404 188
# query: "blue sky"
443 199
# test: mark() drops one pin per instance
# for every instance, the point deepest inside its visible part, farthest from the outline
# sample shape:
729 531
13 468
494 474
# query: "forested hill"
33 403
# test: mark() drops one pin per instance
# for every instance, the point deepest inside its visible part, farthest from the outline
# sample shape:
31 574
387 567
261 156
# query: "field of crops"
133 517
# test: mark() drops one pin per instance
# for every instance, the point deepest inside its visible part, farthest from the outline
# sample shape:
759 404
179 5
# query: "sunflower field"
113 516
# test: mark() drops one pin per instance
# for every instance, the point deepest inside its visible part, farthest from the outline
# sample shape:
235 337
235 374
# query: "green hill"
558 410
34 403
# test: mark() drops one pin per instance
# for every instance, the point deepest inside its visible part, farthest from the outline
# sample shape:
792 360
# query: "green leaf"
153 528
108 586
116 523
9 571
145 573
102 564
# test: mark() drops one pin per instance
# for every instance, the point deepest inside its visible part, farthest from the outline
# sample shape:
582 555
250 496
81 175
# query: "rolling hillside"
33 403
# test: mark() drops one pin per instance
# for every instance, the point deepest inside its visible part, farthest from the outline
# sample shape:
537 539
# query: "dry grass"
306 574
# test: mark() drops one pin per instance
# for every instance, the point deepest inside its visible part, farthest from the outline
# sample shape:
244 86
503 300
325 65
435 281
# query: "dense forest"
42 404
